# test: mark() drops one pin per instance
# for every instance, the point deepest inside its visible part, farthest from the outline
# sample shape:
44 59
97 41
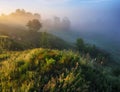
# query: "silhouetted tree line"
20 16
34 25
57 24
22 12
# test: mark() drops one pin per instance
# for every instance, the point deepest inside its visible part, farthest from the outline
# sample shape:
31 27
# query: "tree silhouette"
66 24
34 25
80 44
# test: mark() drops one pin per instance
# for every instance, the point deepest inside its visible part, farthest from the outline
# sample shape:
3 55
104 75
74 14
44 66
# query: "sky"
53 6
81 12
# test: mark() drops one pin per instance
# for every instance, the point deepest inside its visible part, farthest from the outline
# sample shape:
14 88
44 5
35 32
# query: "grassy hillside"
46 70
22 38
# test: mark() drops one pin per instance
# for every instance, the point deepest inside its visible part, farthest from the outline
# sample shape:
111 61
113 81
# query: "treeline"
57 24
20 17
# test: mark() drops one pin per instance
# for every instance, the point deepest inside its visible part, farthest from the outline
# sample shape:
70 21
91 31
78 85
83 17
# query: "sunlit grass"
53 71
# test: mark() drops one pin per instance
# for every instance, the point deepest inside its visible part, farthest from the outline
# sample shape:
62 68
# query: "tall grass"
54 71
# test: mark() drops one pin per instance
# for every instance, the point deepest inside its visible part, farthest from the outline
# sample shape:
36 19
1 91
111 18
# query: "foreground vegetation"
54 71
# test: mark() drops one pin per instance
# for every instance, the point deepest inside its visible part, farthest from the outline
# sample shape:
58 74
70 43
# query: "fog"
97 21
101 26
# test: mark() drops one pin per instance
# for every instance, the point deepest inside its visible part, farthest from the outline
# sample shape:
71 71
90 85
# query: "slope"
46 70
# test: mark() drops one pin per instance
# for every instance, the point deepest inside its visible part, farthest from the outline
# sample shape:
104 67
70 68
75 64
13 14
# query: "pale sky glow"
7 6
79 11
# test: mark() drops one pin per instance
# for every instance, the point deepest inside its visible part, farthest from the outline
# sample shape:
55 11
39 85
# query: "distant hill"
6 29
23 39
46 70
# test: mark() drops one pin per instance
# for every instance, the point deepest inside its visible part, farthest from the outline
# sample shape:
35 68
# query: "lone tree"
34 25
80 44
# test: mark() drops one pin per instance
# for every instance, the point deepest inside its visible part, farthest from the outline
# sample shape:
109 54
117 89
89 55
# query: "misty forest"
44 53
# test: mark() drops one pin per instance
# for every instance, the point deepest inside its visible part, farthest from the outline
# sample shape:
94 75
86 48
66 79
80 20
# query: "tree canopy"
34 25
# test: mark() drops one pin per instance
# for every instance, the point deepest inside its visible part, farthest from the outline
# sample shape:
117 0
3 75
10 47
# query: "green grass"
46 70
